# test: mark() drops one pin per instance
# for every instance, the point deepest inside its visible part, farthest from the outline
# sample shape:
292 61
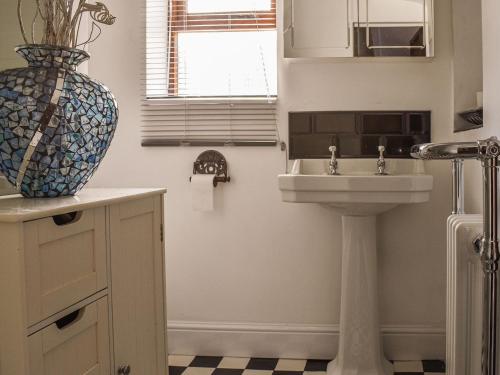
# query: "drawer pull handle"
65 219
69 319
124 370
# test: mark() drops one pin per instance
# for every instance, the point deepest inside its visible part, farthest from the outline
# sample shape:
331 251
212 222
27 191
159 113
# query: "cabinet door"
319 28
65 262
398 12
74 345
138 286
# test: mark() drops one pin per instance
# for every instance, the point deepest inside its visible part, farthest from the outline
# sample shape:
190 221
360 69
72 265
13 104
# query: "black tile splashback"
357 134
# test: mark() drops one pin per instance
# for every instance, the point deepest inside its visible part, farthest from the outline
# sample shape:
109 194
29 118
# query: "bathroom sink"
359 195
357 190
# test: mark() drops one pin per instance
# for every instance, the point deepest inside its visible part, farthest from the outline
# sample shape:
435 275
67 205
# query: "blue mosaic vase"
55 124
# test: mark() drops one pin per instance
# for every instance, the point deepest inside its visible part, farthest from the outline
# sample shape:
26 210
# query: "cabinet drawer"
77 344
65 261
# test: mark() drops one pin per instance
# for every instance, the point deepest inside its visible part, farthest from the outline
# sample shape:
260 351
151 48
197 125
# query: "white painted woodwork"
15 208
318 31
138 303
327 28
13 344
81 348
393 11
64 263
48 271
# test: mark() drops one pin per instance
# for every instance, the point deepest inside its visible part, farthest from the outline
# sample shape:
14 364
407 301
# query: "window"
211 72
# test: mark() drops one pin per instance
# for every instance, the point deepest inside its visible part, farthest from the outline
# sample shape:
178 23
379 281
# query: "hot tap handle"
381 150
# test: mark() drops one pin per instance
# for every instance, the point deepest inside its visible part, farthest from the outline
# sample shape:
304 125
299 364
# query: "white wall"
10 34
491 85
261 263
467 56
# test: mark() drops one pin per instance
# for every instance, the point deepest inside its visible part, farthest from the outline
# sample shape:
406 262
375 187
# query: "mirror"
467 65
359 28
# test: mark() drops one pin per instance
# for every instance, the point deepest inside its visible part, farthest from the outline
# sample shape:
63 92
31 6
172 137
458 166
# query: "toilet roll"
202 192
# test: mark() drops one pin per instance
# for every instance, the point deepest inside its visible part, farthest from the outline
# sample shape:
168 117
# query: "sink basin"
358 191
358 195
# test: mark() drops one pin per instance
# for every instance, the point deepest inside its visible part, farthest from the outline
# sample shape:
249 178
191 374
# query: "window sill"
201 142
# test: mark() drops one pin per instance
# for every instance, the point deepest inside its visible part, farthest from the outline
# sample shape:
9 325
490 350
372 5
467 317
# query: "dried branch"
100 13
20 18
33 25
91 39
62 19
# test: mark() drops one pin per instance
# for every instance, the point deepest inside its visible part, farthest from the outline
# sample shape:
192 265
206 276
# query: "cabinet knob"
124 370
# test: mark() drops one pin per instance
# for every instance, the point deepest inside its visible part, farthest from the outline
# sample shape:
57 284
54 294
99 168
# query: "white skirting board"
464 296
295 341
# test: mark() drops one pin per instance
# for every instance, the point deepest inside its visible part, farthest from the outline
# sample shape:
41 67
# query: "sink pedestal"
360 342
358 195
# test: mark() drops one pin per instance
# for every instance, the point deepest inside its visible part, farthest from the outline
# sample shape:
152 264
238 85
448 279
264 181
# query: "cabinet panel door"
80 348
138 286
394 11
318 28
64 263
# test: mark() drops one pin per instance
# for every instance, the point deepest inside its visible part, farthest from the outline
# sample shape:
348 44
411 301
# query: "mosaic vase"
55 124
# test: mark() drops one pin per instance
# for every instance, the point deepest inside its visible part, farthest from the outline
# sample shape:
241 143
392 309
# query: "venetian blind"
211 72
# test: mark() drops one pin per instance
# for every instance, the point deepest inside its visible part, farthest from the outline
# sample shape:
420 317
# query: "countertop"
15 208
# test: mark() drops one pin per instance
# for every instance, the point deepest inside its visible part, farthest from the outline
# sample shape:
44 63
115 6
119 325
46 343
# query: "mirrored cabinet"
359 28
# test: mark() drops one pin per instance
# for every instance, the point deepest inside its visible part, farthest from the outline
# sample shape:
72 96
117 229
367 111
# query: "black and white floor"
202 365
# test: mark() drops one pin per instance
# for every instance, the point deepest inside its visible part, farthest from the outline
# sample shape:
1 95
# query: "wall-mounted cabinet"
321 29
359 28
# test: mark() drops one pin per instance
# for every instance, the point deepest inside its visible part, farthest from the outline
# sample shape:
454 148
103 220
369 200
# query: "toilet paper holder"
212 162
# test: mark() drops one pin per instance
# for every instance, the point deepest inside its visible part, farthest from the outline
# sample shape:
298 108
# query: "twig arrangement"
61 21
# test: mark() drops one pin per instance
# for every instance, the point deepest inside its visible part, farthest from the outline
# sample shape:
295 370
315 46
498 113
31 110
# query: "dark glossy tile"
300 123
268 365
382 123
316 364
262 363
227 371
205 361
335 122
175 370
356 134
433 366
311 146
288 372
369 145
399 145
349 145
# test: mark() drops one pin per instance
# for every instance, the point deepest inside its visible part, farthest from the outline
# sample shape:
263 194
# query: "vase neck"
46 56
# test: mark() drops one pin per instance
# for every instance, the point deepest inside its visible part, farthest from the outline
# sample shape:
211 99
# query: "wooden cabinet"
393 11
83 284
138 303
77 344
65 262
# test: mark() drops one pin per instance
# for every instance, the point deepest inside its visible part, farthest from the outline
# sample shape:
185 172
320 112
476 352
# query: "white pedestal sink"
358 195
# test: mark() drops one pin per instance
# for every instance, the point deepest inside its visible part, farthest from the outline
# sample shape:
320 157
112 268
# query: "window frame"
168 119
181 21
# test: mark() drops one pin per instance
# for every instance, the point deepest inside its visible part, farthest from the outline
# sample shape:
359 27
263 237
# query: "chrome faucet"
333 166
381 162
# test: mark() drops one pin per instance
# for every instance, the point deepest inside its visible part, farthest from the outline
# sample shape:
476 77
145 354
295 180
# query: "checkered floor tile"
202 365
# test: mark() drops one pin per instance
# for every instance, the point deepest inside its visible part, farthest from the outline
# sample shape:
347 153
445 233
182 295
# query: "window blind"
211 73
